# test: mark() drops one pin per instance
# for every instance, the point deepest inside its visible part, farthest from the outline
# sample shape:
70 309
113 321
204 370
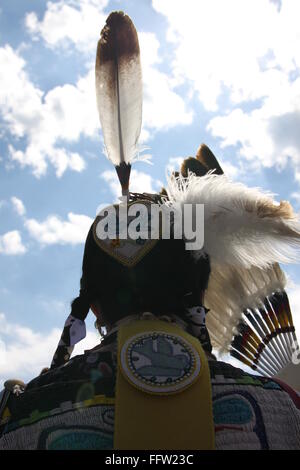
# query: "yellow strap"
162 411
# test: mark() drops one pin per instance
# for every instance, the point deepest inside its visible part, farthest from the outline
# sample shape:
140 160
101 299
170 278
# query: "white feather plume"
243 227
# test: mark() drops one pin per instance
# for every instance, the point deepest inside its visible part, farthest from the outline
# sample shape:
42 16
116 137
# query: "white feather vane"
243 227
119 92
119 89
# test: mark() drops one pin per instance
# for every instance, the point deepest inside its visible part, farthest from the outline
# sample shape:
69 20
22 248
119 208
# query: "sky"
223 73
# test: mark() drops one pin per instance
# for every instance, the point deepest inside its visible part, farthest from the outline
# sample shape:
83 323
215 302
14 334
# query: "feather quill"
119 92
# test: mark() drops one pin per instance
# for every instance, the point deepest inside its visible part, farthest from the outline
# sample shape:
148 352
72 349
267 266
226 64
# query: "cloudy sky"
223 73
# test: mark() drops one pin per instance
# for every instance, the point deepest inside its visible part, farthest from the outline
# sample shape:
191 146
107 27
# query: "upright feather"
119 92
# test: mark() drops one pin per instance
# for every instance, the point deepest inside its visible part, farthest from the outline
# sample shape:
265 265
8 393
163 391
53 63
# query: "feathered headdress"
246 233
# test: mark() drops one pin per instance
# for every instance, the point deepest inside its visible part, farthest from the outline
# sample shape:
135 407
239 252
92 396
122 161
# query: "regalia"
165 305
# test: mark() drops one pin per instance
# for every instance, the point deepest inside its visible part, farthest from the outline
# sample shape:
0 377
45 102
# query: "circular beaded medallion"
158 362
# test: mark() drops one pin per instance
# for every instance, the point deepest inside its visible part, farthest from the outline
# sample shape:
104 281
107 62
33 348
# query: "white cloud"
45 120
11 243
250 52
266 137
66 112
17 93
67 22
232 171
217 46
25 352
163 108
54 230
296 196
18 206
174 164
139 182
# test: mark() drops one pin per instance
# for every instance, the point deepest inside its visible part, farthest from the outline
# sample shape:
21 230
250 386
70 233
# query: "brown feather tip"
269 209
192 165
205 156
118 38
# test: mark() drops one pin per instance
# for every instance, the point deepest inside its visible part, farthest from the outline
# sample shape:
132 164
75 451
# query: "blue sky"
223 73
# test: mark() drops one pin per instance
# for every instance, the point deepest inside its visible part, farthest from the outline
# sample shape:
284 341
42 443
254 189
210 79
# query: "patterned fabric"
126 250
252 412
72 407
